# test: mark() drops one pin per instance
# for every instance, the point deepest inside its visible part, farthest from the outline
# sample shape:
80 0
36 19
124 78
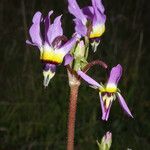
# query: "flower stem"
93 63
74 84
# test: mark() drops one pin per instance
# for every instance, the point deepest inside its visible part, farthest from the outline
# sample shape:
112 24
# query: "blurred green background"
34 118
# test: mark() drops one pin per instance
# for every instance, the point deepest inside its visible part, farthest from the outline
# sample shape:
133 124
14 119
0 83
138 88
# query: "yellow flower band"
97 31
110 88
51 55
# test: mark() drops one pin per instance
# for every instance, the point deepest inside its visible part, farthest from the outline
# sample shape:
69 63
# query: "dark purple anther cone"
48 66
97 40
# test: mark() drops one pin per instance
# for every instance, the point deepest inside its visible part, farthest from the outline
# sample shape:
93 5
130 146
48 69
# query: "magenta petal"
115 75
68 45
34 31
55 29
37 17
88 79
102 106
108 112
47 25
123 104
88 11
99 17
99 5
68 59
80 28
75 10
30 43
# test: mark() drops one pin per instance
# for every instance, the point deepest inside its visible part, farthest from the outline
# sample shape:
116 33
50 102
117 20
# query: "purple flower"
109 91
90 20
53 46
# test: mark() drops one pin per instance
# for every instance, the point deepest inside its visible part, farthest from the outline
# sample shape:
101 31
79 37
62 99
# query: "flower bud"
105 142
79 50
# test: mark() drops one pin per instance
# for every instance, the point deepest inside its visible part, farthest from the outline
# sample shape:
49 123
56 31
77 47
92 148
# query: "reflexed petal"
115 75
55 30
88 11
99 5
75 10
88 79
37 17
47 24
99 18
30 43
105 113
68 59
102 106
108 112
123 104
68 45
80 28
34 31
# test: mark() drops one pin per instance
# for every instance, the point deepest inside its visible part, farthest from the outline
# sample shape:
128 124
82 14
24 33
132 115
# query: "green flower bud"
79 50
105 142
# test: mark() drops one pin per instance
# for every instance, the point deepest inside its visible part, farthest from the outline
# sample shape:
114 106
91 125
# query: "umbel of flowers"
55 48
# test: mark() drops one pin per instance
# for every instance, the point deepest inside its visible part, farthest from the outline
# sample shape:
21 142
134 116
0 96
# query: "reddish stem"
72 115
74 83
93 63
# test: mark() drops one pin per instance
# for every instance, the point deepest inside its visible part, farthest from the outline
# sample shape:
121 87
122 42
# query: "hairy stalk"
74 84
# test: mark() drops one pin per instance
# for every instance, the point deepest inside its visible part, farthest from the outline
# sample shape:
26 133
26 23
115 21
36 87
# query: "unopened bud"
79 50
105 142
